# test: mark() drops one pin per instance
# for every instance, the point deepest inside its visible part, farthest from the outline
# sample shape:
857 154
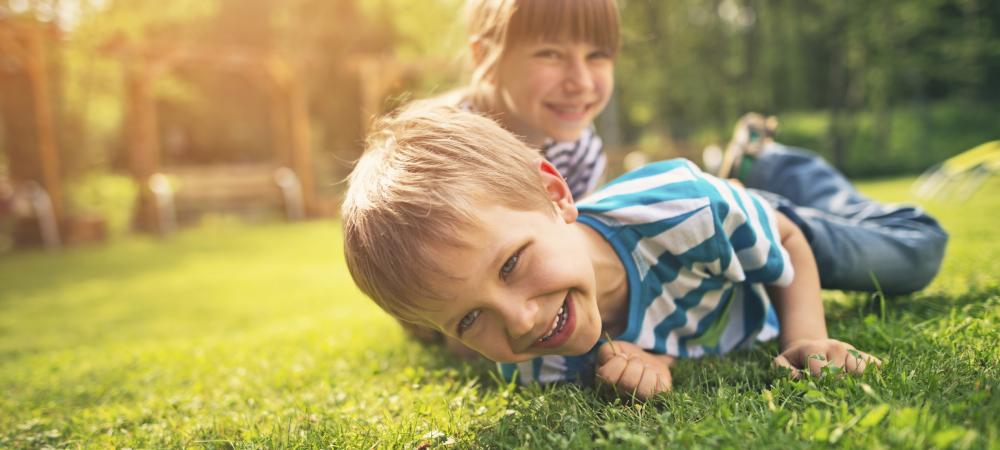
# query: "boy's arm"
800 312
799 305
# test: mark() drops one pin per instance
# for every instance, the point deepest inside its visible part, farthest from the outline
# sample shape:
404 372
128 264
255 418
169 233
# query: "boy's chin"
590 341
581 344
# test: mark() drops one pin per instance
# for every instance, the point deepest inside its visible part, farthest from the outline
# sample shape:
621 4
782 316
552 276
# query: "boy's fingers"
666 380
652 383
816 362
782 361
605 353
633 373
612 370
861 362
854 364
647 384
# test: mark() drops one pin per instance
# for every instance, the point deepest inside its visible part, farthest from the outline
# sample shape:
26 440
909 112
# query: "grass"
230 336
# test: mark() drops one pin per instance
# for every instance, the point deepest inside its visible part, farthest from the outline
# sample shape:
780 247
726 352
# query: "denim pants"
852 237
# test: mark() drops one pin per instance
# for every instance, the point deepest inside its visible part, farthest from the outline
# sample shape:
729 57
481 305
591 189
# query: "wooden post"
49 156
276 83
142 141
301 157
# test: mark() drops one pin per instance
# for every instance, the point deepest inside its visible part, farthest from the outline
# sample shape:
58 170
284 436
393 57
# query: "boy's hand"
814 354
633 371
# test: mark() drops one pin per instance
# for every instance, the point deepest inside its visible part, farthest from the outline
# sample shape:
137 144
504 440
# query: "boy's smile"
562 326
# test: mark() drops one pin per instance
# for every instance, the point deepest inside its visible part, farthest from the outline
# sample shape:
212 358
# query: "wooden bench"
256 192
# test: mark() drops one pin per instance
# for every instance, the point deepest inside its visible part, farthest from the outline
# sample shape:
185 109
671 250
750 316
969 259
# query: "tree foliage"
691 65
871 72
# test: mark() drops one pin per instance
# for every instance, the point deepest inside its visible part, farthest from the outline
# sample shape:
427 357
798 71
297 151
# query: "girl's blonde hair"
495 26
425 173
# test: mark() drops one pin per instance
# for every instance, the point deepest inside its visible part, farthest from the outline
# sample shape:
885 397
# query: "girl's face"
553 89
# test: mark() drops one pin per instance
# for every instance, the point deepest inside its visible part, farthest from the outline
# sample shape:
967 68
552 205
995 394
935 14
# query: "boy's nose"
520 320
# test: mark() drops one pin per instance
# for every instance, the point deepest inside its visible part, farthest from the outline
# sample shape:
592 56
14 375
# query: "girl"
544 69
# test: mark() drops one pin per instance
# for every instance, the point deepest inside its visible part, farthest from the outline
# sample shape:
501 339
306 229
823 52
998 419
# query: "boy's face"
554 89
522 287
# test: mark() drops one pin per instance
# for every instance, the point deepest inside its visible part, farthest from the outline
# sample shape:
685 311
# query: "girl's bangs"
592 21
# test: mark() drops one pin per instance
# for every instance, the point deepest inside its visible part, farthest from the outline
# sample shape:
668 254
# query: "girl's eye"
467 321
547 54
509 265
599 54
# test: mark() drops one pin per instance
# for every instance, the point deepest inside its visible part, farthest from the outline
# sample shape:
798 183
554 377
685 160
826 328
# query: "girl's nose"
578 76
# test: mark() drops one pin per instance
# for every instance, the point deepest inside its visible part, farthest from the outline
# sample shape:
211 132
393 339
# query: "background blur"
98 95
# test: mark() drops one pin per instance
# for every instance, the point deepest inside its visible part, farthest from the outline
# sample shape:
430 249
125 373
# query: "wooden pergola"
144 63
23 46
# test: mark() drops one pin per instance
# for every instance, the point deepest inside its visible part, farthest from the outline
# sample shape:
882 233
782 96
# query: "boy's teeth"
556 321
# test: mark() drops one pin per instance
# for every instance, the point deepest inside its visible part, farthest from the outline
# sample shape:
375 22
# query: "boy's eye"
509 265
467 321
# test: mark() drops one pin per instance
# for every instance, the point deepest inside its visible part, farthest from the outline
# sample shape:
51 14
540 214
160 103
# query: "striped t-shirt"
580 162
697 251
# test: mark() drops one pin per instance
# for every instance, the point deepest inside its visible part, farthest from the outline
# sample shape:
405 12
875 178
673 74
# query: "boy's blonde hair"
424 174
495 26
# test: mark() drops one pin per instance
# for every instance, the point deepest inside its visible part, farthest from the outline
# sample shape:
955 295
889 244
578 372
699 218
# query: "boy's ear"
557 190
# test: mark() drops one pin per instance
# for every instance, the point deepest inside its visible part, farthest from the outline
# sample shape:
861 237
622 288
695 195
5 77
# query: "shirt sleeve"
747 236
686 220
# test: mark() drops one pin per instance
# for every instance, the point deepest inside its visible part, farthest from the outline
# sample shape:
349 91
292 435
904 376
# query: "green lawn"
236 336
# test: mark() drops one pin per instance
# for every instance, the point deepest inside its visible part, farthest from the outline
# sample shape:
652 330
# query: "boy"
452 222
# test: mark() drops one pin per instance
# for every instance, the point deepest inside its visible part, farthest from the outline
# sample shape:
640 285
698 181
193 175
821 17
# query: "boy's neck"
611 281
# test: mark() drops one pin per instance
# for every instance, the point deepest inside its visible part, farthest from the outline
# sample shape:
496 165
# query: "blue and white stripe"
581 162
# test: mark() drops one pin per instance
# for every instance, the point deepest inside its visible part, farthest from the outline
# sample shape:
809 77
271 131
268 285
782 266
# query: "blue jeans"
852 236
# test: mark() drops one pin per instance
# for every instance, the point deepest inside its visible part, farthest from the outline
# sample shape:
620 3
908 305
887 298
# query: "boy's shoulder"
672 177
675 206
662 166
